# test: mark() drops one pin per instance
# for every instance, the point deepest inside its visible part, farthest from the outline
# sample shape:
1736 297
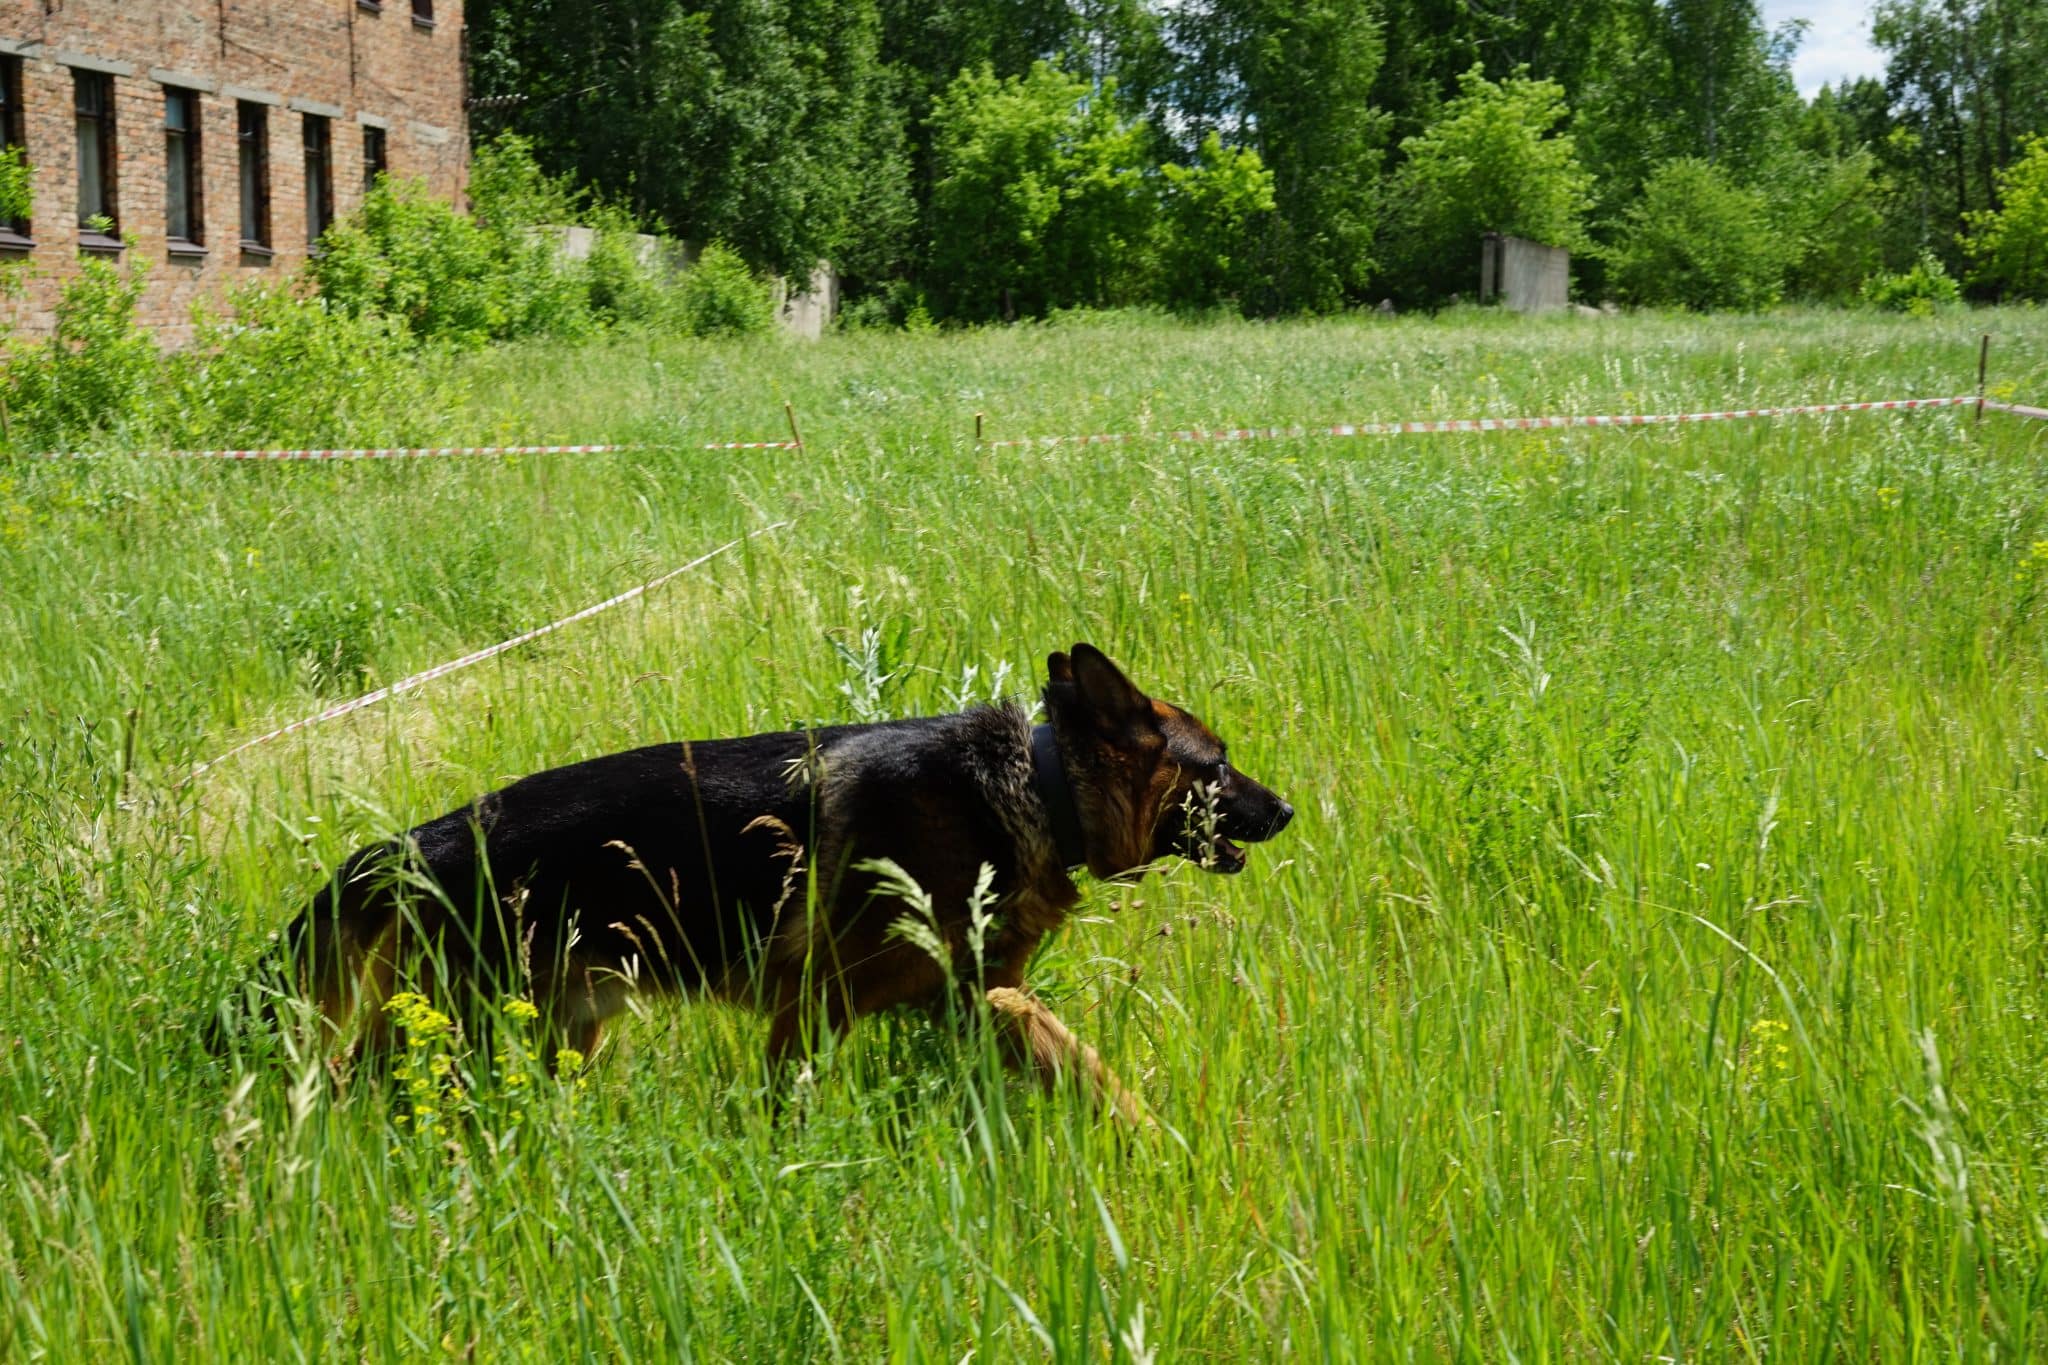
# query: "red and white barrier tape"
406 452
1485 424
403 685
2017 409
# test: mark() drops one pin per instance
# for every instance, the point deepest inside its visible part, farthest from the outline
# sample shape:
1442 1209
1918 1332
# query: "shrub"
411 257
1697 240
1492 162
1215 217
95 374
1920 291
453 278
1042 198
283 366
328 638
17 184
620 286
1830 217
2010 244
719 296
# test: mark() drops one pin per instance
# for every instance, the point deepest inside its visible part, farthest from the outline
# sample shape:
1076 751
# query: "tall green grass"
1655 968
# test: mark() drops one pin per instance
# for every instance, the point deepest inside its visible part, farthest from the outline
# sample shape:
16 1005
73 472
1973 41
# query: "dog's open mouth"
1224 856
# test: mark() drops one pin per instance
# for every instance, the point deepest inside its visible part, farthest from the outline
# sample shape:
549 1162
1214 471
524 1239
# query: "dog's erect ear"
1115 700
1058 668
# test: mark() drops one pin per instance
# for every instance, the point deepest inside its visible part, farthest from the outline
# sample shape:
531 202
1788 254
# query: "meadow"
1654 969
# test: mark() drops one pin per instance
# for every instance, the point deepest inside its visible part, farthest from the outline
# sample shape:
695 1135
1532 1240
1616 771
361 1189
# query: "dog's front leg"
1035 1039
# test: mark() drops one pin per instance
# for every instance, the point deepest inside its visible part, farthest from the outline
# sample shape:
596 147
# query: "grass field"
1655 969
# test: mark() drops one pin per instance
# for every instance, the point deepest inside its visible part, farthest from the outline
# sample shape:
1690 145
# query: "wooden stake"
789 411
977 428
1983 362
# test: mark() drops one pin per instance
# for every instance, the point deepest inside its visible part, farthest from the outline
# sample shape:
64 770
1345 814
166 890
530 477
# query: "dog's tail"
321 957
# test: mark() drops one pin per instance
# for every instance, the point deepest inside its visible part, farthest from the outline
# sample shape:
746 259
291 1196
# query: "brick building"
218 136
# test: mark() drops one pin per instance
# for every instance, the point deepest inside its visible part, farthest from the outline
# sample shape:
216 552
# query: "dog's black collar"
1049 776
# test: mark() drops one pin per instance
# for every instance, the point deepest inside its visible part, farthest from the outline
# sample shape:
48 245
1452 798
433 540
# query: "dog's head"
1149 780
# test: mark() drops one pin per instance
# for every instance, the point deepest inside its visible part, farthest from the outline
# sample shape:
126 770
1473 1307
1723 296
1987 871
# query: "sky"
1837 43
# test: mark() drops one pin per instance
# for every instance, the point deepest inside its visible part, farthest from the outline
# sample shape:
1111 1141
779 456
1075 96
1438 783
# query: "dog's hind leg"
1037 1041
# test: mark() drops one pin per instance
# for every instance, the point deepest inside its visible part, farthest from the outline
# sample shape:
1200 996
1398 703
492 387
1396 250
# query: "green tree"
766 123
1042 199
1682 78
2010 244
1828 212
1292 80
1215 215
1493 162
1695 239
1965 81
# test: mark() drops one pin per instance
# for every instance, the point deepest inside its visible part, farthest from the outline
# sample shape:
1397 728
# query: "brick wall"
354 63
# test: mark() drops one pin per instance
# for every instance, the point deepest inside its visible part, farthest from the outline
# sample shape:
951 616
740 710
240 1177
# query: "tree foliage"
2010 244
1697 240
1493 161
1292 80
995 158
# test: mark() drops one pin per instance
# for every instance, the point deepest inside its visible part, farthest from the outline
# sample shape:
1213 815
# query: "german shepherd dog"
756 870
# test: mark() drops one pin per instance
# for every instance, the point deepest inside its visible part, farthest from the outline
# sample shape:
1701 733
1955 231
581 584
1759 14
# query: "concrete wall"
1528 276
805 313
356 63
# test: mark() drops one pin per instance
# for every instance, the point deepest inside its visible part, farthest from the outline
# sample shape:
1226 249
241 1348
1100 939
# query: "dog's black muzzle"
1244 812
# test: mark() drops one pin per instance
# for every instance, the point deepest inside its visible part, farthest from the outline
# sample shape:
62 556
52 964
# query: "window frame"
319 153
422 13
107 153
187 144
378 161
252 158
16 234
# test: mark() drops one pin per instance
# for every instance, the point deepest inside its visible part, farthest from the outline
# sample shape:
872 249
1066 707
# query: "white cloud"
1837 46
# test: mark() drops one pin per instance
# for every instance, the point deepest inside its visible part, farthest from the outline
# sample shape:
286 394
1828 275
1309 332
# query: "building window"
376 161
98 211
13 134
184 177
253 136
423 13
319 177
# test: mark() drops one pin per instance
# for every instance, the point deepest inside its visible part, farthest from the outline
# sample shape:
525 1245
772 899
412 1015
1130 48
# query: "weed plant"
1655 969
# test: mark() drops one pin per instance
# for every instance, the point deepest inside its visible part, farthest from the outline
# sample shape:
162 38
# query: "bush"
457 279
1216 215
1042 199
2010 244
1492 162
410 257
1697 240
17 184
328 639
621 287
282 366
95 375
1830 217
1920 291
719 296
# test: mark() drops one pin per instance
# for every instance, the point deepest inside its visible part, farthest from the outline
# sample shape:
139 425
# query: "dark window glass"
319 177
94 104
374 159
184 220
13 127
253 136
423 11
